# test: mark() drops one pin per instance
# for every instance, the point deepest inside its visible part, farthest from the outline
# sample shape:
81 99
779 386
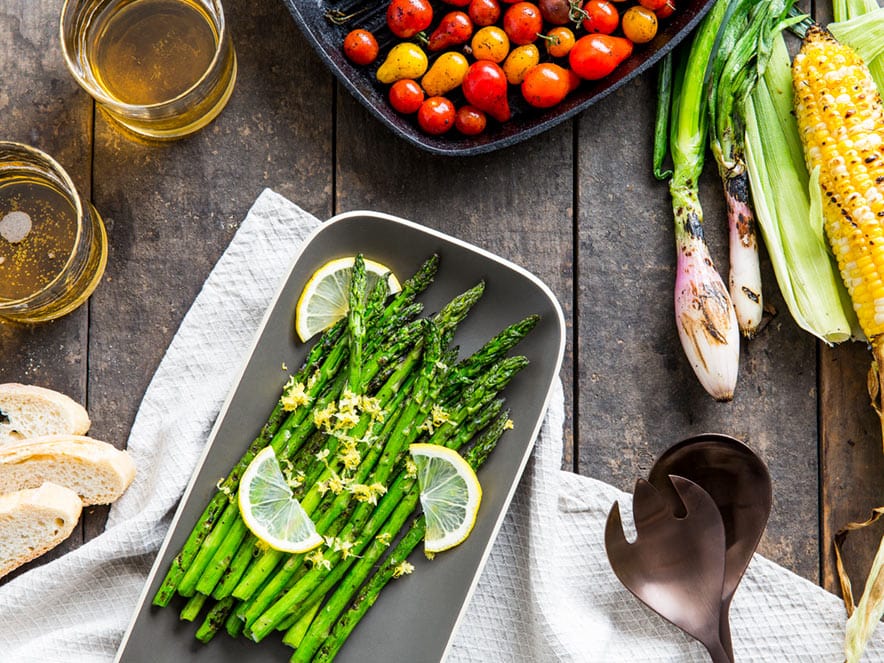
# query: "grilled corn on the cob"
841 121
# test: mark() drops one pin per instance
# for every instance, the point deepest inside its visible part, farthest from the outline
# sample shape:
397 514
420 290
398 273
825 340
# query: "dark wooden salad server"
676 564
739 484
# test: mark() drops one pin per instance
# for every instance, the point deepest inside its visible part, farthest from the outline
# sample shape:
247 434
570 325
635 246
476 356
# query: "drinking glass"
53 245
160 68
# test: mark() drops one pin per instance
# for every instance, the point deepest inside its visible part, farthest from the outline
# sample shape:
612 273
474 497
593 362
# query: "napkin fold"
547 592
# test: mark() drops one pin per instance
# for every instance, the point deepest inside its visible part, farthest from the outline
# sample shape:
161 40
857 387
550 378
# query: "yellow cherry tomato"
639 24
519 62
446 74
405 60
559 42
490 43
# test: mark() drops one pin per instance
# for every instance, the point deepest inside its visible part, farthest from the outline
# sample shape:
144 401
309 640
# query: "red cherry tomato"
436 115
454 29
653 5
485 87
406 96
666 10
457 3
601 17
406 18
360 47
522 23
545 85
469 121
595 56
484 12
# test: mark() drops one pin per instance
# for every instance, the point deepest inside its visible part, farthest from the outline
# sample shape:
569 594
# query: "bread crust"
49 501
31 411
96 470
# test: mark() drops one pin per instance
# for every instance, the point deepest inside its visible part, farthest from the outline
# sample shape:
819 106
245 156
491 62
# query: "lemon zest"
404 568
346 419
322 417
318 559
295 396
351 459
224 489
349 401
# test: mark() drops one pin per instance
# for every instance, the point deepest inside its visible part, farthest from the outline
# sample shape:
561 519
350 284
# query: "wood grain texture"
517 203
173 208
851 461
638 392
43 107
576 205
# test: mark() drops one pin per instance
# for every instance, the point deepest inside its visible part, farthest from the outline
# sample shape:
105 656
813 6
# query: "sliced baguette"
33 521
28 411
95 470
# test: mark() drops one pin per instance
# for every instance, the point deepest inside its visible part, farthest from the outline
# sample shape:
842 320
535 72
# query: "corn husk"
792 228
864 617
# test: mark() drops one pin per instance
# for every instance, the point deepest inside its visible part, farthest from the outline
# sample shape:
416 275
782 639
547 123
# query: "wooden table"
576 205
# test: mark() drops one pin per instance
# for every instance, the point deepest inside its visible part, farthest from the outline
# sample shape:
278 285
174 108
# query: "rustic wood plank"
172 209
43 107
638 392
851 459
515 202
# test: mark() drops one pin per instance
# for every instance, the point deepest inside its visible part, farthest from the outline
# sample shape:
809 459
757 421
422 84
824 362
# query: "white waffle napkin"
547 593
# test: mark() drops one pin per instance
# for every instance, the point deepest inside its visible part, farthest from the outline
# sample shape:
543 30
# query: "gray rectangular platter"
415 617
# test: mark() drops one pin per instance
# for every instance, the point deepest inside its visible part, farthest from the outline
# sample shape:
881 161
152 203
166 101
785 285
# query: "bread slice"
33 521
29 411
95 470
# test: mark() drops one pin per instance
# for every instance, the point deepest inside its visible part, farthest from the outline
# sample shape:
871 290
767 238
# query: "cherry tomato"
406 18
653 5
469 121
490 43
406 96
436 115
519 61
555 12
601 17
639 24
522 23
595 56
666 10
405 60
454 29
457 3
559 42
545 85
446 73
485 87
360 47
484 12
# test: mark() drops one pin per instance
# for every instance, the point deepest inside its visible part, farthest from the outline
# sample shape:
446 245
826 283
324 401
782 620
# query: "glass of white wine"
160 68
53 245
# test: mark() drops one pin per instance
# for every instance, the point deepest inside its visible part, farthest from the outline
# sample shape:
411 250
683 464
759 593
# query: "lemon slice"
325 298
450 495
270 510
